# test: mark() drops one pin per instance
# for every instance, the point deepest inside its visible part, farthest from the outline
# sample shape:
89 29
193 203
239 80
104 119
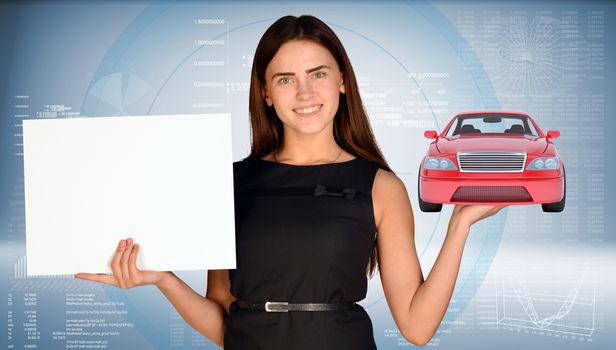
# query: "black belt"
283 306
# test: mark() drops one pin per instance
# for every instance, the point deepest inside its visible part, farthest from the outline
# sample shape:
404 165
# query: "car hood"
525 143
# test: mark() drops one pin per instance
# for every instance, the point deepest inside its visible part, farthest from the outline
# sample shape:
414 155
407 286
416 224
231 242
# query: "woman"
316 204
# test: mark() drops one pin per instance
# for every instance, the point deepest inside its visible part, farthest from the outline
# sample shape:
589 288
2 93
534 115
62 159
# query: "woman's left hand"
470 214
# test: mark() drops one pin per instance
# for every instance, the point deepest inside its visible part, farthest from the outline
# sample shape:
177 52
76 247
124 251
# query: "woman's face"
303 82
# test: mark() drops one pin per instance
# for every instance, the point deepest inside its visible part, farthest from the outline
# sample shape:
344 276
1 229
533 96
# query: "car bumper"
491 191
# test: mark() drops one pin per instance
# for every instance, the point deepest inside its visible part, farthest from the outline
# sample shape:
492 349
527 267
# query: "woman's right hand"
125 272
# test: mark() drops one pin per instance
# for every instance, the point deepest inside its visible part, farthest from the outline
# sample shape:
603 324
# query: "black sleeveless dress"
303 234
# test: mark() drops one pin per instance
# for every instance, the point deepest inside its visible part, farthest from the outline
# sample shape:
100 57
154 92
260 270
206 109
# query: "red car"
492 158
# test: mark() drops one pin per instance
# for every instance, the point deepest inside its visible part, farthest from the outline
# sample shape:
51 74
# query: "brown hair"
352 130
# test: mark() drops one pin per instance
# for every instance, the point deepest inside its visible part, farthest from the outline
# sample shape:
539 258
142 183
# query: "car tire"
558 206
426 206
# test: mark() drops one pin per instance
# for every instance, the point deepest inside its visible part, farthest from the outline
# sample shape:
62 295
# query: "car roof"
503 113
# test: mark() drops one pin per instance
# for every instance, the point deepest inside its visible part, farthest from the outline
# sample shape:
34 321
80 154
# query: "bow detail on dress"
346 193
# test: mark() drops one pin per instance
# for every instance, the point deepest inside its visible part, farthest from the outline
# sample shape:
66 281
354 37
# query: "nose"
304 90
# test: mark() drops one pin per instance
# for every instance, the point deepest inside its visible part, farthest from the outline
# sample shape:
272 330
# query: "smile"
307 110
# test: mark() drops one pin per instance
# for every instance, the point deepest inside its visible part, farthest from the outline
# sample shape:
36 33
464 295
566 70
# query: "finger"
133 271
485 212
98 277
496 209
491 212
124 263
115 263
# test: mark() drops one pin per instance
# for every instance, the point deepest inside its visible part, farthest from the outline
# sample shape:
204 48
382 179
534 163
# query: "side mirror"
430 134
552 134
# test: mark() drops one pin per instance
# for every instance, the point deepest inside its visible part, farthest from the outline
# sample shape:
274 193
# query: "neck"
308 149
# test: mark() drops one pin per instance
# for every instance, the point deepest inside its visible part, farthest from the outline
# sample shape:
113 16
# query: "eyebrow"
308 71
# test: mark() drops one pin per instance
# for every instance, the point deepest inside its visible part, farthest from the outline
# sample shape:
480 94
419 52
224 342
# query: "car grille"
492 161
491 194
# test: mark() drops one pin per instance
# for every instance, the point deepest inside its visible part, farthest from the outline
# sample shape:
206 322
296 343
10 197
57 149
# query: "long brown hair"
352 130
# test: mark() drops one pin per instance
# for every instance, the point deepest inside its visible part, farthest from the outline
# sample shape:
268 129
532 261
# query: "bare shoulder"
385 180
387 184
388 192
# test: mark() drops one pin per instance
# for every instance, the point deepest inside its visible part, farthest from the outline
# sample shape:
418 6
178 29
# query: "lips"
305 111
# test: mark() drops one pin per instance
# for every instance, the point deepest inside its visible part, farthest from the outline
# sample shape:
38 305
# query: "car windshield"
492 124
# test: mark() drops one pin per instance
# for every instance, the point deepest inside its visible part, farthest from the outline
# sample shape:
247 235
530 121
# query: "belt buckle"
277 306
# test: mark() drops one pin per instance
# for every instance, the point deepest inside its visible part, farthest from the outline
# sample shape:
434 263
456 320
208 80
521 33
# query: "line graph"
570 312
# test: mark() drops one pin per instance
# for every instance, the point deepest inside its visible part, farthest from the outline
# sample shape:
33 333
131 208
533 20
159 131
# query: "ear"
266 96
342 89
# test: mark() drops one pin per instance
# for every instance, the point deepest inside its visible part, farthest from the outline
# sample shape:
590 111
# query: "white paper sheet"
165 181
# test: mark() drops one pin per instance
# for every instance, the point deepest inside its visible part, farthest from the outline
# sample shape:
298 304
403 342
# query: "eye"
284 81
319 75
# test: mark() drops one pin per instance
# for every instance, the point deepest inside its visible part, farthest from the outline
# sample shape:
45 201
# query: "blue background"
528 278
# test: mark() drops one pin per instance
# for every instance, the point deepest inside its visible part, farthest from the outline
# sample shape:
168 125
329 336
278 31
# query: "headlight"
544 163
432 163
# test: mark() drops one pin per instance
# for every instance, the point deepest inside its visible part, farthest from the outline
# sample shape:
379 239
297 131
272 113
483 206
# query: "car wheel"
426 206
558 206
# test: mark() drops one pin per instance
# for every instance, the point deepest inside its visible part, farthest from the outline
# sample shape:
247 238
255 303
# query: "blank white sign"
165 181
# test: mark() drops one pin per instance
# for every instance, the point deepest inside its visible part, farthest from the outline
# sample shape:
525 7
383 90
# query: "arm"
204 314
417 306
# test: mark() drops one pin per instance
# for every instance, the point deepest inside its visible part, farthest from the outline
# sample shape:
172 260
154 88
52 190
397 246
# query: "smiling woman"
301 63
315 204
